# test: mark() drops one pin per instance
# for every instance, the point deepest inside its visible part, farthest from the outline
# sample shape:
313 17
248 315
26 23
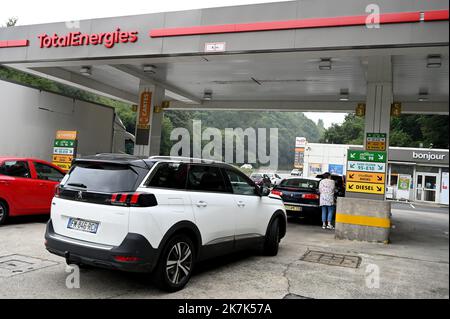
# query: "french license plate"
83 225
293 208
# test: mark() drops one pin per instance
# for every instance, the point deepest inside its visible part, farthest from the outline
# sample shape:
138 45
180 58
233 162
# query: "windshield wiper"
77 185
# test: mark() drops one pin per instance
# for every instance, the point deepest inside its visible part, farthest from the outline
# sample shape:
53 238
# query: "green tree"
434 130
321 126
407 130
351 131
289 125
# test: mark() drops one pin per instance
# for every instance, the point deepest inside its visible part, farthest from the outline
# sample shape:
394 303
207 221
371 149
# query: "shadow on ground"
22 220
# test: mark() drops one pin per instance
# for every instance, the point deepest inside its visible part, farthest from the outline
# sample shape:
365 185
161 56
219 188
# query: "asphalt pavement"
414 265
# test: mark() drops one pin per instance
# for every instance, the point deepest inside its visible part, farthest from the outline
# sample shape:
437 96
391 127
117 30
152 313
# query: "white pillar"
148 125
379 99
379 96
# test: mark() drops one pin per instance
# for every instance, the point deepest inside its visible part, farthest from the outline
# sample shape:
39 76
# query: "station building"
413 174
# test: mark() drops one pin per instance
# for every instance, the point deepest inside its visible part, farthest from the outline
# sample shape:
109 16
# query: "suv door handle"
4 183
201 204
241 204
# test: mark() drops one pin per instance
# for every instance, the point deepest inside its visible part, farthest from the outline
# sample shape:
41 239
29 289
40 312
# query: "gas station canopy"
295 55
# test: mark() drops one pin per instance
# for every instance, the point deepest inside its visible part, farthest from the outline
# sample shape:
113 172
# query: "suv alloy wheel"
175 264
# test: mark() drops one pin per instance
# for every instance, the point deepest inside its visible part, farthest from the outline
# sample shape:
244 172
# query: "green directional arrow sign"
380 136
366 156
64 143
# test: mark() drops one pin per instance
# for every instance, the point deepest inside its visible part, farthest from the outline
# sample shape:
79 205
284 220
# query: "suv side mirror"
265 191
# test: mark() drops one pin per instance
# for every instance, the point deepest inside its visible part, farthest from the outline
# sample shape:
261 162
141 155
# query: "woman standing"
327 188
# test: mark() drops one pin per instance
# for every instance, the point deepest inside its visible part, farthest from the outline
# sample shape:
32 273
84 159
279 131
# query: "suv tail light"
57 190
310 196
133 199
276 192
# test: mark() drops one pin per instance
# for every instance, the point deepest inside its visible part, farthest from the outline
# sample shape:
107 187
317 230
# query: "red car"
27 186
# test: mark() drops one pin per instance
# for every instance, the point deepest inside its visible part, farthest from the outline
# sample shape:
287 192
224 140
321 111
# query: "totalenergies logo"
73 39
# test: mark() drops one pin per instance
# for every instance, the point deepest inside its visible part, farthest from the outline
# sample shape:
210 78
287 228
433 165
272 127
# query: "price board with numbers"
64 149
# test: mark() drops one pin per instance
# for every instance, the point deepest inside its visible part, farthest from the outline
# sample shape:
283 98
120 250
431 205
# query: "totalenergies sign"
73 39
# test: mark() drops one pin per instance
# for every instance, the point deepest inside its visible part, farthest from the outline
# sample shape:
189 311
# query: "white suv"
159 215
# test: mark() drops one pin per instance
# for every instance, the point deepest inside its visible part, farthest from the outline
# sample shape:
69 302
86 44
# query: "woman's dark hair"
326 175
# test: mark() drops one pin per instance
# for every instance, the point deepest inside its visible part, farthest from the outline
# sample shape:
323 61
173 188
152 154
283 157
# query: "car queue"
159 215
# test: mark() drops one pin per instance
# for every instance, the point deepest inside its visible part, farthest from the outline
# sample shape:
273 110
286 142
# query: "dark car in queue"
260 179
300 196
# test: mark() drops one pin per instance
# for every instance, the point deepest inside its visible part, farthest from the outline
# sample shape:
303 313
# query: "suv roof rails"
109 157
115 154
185 159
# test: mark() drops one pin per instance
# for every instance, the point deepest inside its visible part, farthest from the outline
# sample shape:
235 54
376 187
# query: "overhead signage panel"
366 167
63 151
366 156
62 158
377 178
64 143
376 141
368 188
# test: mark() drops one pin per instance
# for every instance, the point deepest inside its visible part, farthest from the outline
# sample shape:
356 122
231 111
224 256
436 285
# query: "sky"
45 11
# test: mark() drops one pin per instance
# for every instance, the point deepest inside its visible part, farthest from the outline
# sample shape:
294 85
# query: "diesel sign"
108 39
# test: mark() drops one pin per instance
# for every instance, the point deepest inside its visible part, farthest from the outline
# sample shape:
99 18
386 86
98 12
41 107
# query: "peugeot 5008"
160 215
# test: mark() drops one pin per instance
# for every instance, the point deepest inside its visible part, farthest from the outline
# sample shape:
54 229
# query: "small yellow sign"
357 187
63 166
62 158
377 178
396 109
144 109
360 109
66 135
376 146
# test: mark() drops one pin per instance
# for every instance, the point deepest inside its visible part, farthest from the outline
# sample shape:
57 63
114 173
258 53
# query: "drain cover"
331 259
18 264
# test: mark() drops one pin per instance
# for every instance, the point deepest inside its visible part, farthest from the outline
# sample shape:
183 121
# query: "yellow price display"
63 166
357 187
62 158
377 178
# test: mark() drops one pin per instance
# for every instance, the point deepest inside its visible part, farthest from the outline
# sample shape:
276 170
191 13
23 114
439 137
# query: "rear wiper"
77 185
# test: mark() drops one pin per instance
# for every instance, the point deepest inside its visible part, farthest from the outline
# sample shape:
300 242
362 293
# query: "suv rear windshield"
103 178
300 183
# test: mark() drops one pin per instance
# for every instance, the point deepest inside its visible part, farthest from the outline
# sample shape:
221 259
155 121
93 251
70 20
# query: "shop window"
394 180
402 169
427 169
